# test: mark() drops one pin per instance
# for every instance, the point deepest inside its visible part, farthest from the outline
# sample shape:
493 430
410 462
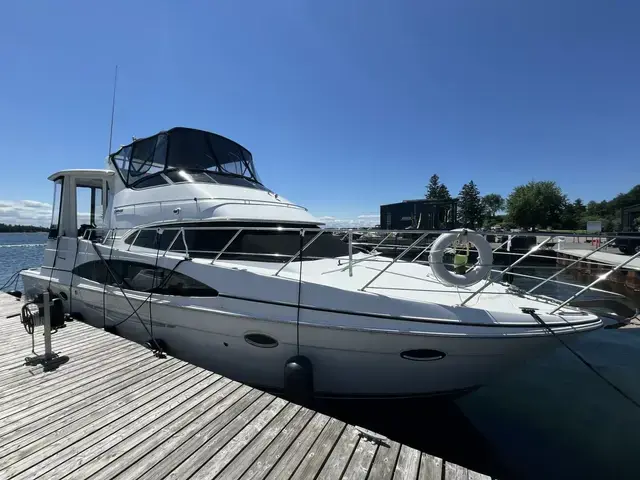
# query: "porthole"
260 340
422 355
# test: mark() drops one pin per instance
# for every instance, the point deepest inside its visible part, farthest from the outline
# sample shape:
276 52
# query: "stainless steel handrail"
168 226
184 239
304 247
175 237
571 265
423 251
560 282
394 261
381 242
597 280
227 245
136 238
385 235
493 280
350 254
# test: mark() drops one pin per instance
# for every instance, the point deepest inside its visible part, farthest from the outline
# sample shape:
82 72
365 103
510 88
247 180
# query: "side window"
144 278
95 271
138 276
180 285
148 239
54 230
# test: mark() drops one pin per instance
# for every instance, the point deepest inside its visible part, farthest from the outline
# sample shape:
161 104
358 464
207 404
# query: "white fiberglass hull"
348 360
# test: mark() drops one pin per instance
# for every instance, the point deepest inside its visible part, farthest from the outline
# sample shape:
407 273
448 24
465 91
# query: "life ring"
473 276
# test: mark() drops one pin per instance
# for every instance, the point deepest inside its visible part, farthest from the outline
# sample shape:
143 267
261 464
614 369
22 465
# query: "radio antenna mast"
113 109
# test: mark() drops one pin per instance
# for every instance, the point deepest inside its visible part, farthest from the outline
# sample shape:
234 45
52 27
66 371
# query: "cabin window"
256 245
239 181
182 176
89 208
152 239
143 277
195 176
54 230
96 271
150 181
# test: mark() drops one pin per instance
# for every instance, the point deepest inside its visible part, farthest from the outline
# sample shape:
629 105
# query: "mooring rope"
628 397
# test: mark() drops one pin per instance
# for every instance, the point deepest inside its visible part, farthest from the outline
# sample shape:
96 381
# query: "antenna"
113 109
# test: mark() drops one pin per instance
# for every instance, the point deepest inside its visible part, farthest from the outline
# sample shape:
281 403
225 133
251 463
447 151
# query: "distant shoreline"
21 229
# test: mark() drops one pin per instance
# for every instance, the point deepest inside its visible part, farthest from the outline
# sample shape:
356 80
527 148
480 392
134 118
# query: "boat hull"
348 362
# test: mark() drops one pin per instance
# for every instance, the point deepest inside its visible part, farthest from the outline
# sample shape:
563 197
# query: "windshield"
198 150
184 149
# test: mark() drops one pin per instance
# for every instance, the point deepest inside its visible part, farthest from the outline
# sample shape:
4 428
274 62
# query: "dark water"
552 418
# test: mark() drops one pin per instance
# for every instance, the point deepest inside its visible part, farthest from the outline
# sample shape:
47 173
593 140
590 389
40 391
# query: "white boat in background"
186 249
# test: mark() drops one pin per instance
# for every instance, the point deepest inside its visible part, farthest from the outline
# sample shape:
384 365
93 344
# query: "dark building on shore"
629 216
421 214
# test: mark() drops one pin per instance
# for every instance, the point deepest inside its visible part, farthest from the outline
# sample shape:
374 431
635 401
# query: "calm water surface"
18 251
552 418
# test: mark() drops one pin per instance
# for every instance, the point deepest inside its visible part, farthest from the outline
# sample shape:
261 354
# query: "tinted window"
193 176
95 271
144 278
153 239
151 181
183 176
286 244
264 246
231 180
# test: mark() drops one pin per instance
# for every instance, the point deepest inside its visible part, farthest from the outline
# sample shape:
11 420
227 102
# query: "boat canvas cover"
184 149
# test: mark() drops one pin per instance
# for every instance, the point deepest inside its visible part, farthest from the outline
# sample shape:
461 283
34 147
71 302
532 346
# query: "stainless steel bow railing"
403 244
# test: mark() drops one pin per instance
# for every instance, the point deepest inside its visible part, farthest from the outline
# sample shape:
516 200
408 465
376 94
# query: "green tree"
579 206
593 209
493 203
437 190
570 219
536 204
470 206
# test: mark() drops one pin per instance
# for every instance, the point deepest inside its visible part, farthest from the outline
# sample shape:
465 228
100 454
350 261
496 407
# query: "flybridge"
187 155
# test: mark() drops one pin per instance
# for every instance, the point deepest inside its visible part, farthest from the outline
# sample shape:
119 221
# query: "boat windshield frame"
185 149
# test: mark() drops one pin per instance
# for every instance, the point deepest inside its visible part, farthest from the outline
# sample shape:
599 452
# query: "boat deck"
114 410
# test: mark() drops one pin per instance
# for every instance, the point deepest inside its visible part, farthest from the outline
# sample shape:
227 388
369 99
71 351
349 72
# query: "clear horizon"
344 105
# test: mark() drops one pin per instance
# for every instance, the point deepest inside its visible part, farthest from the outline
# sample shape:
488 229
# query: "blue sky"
345 104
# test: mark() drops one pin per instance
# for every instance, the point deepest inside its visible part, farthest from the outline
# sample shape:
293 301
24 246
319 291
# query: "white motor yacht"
186 249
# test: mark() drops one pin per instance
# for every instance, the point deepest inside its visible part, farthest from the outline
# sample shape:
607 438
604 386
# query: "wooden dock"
116 411
605 258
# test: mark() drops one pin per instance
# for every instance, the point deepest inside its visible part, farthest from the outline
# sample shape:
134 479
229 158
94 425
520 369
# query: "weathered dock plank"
272 454
430 467
311 450
384 462
358 467
116 411
408 464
